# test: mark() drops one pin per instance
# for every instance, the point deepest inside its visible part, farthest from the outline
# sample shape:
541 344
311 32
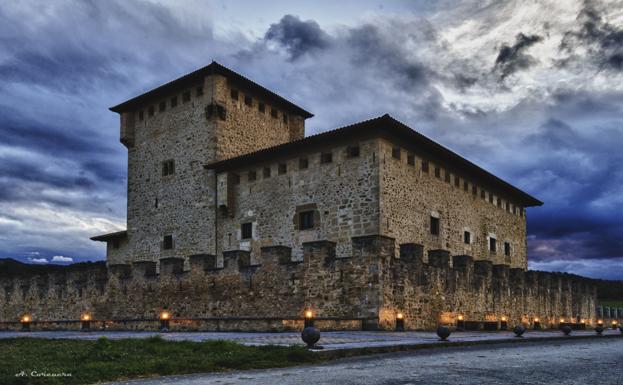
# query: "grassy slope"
106 360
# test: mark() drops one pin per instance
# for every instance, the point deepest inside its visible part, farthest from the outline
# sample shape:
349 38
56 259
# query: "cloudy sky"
530 90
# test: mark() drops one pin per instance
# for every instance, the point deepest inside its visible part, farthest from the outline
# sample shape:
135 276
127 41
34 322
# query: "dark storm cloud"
372 48
603 40
513 58
297 36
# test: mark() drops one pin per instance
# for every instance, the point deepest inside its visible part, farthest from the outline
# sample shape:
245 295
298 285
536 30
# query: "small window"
457 181
248 100
282 168
467 237
215 110
434 225
352 151
306 220
514 209
285 118
168 167
465 185
437 172
273 112
326 157
303 163
150 111
474 189
200 91
483 194
167 242
234 94
396 152
162 106
499 202
490 197
261 107
246 230
141 115
492 244
266 172
186 97
411 159
174 101
252 176
507 249
425 166
447 176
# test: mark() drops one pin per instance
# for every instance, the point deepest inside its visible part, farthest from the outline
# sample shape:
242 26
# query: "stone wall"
410 196
366 289
343 195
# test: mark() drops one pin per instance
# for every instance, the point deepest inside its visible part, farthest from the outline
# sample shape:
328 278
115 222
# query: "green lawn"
105 360
610 303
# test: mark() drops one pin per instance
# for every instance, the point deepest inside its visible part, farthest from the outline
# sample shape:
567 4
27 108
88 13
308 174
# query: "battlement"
372 283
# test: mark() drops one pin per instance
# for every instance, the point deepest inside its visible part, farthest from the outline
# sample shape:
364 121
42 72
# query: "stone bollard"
443 332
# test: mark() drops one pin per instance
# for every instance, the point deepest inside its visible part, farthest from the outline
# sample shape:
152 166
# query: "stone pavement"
329 340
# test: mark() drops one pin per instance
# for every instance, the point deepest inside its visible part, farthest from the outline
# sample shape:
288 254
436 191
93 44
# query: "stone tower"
171 132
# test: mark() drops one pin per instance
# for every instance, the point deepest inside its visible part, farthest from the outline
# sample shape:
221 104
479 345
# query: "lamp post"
309 318
25 321
536 324
460 322
85 321
165 317
503 323
400 322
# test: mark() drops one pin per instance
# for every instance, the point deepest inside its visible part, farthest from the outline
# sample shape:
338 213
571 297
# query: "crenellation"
171 266
439 258
144 269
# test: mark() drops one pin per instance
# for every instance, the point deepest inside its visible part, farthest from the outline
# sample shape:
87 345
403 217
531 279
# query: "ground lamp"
503 323
614 325
460 322
309 318
85 321
400 322
536 324
566 329
599 329
25 321
443 332
165 317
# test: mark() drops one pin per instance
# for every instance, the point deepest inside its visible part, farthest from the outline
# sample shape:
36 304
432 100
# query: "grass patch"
610 303
107 360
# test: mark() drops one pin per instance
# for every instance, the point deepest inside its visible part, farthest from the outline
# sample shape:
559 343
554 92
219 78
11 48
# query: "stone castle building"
238 221
217 163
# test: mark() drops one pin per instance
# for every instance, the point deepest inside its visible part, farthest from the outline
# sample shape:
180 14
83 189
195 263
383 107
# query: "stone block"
144 269
202 262
373 245
236 259
463 262
276 254
439 258
120 270
171 266
412 253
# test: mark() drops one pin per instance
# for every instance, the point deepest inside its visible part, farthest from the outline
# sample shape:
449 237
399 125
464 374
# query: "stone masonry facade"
234 214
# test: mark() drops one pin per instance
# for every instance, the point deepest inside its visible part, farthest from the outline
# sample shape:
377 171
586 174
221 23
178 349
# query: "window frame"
434 225
306 220
246 229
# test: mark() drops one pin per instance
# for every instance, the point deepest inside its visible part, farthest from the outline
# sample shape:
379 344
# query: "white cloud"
60 258
38 260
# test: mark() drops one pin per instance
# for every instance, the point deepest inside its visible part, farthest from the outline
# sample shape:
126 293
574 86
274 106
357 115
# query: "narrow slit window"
167 242
306 220
467 237
492 244
411 159
434 225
